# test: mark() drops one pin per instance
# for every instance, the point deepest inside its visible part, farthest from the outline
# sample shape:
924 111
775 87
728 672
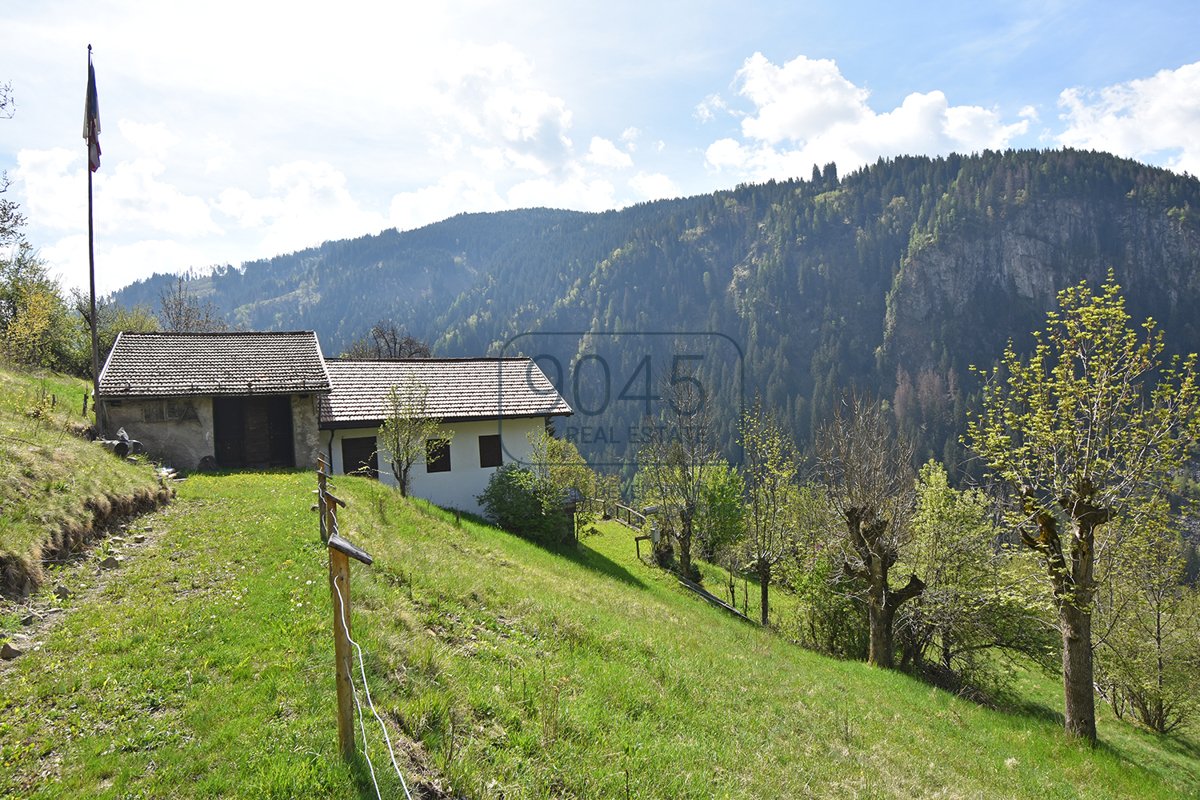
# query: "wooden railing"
629 517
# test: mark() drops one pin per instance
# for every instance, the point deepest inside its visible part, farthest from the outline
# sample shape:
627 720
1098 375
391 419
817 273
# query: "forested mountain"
893 280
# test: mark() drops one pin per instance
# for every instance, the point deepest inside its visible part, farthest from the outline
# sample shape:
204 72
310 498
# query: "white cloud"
51 184
806 112
708 108
1155 119
490 96
119 264
603 153
308 202
653 186
578 192
726 154
795 100
128 194
450 195
134 196
153 140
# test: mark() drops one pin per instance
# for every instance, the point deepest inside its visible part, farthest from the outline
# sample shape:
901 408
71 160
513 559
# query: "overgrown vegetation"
543 500
1086 434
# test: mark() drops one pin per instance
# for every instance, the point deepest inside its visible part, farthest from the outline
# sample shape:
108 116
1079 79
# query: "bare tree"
867 474
387 341
11 218
183 312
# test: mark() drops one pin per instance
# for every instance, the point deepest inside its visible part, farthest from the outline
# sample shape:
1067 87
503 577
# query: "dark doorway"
253 432
359 456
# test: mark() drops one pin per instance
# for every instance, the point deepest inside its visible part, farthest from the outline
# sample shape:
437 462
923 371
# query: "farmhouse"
254 399
487 406
231 400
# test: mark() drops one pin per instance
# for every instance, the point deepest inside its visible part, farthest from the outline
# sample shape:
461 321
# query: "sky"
233 131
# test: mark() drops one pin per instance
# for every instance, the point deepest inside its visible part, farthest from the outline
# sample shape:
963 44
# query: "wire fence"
339 548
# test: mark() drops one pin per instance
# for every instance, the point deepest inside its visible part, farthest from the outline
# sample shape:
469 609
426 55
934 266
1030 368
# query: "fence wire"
367 691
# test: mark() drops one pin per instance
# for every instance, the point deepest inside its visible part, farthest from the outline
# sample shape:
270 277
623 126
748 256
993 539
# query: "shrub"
520 501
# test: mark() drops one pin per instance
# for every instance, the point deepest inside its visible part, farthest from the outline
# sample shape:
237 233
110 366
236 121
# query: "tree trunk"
880 652
764 585
685 549
1078 687
401 473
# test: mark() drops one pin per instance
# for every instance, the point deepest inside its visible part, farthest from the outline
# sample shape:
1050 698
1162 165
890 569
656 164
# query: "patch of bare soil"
77 573
20 577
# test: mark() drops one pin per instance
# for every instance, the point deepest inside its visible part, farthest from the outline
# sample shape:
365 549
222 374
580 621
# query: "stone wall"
306 439
176 431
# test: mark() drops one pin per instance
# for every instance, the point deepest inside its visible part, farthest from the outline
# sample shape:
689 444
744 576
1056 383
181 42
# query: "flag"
91 120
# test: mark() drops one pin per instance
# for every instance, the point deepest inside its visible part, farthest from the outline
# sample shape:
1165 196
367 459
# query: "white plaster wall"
466 479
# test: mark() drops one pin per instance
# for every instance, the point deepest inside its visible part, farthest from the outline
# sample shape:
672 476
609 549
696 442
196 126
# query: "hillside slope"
503 670
57 491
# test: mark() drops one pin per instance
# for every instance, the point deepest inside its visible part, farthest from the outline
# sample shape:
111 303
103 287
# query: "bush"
520 501
827 618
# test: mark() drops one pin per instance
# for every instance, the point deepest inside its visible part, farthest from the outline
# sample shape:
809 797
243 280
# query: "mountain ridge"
893 279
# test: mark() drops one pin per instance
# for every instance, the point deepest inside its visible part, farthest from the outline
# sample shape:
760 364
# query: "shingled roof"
237 363
459 389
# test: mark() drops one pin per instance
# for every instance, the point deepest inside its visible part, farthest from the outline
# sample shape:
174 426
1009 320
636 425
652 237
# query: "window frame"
437 455
495 451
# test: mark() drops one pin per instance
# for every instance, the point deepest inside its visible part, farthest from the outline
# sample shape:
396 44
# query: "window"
153 411
175 410
359 456
489 451
437 455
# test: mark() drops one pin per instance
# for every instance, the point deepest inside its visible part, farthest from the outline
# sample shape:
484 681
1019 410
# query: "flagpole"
92 282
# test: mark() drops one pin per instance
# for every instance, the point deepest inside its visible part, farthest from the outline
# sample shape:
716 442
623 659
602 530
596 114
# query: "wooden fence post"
340 552
339 581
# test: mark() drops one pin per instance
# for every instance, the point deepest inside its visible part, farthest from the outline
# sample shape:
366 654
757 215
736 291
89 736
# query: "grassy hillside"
203 668
56 489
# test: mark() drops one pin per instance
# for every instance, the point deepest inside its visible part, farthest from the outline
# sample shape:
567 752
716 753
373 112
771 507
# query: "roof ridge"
190 334
439 359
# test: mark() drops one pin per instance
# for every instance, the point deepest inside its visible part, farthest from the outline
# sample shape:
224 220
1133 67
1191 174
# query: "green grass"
53 484
203 668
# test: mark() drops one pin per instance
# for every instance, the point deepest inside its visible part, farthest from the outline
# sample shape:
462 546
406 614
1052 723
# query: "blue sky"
240 130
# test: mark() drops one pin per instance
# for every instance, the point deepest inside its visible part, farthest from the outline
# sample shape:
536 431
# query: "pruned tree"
387 341
770 469
1084 430
407 428
865 469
